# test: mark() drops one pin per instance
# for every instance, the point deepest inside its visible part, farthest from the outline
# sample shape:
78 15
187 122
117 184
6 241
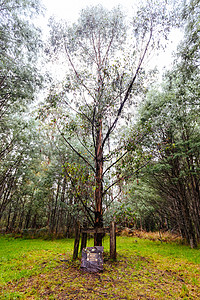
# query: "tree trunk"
76 241
54 212
99 186
113 240
8 219
12 225
27 220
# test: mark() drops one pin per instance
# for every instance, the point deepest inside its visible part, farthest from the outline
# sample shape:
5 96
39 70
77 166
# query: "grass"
22 258
145 269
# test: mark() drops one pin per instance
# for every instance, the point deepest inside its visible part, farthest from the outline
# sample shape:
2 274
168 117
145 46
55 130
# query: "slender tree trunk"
21 218
99 186
53 216
8 219
34 221
27 220
12 225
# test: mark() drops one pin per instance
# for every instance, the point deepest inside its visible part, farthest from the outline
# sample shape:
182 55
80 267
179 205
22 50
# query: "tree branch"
79 113
93 127
76 73
136 142
89 217
85 147
114 163
82 157
112 200
125 177
128 92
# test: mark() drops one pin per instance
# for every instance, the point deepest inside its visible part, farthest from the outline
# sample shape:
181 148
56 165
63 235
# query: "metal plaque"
92 259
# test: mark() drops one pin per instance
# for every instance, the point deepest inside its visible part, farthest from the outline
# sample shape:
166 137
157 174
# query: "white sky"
69 10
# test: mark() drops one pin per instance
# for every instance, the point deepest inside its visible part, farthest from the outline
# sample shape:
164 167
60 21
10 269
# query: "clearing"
43 269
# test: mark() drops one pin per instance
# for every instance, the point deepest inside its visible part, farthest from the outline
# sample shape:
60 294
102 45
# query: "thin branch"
89 217
85 49
99 51
136 142
128 92
74 187
93 127
79 113
83 96
115 163
2 80
7 149
94 47
125 177
82 157
76 73
85 147
112 200
109 46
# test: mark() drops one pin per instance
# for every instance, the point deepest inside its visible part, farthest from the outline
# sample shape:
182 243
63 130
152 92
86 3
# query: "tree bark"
113 240
98 186
77 239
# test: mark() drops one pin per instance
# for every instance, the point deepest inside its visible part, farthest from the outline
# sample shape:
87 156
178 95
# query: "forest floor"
145 269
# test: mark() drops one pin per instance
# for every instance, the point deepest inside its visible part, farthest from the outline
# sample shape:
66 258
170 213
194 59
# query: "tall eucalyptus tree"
173 114
105 73
19 44
19 79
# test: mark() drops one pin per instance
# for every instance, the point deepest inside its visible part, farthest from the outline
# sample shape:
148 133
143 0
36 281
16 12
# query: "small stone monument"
92 259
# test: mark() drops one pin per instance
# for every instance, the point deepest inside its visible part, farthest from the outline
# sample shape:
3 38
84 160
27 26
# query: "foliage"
85 150
19 80
172 113
104 80
19 47
19 77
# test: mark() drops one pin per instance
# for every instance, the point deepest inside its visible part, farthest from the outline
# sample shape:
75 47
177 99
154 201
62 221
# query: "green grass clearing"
39 269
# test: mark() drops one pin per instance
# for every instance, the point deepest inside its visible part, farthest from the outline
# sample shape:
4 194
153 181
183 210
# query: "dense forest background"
107 142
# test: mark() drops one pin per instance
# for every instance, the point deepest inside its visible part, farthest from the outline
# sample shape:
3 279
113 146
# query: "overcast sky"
69 10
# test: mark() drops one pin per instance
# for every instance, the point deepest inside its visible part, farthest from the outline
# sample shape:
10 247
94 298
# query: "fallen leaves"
133 276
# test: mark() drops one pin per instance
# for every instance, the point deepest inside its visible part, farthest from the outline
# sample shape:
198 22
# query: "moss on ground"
37 269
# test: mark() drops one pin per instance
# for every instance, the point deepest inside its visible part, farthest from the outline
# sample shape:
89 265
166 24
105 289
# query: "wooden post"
113 240
84 236
77 239
83 240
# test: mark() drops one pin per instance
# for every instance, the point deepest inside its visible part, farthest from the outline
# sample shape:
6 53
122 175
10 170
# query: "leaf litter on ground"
141 272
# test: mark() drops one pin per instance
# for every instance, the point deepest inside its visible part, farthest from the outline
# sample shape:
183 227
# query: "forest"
109 141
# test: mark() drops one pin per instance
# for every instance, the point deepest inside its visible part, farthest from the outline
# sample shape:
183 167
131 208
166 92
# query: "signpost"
92 257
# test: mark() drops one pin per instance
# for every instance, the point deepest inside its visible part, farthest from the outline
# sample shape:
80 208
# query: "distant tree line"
169 195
